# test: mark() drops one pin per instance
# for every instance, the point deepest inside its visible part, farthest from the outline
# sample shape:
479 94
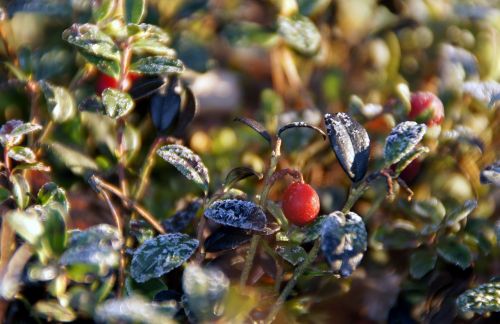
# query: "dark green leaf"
60 102
50 192
134 10
240 173
402 140
116 103
54 237
104 10
147 289
161 255
107 66
300 124
237 213
187 162
454 252
431 209
157 65
300 33
256 126
293 254
482 299
350 142
91 40
410 157
4 194
165 106
189 107
421 262
226 238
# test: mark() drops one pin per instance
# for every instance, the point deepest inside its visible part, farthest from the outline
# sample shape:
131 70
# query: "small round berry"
300 203
426 108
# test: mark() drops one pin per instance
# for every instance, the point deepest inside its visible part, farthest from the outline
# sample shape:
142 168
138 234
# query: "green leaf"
20 190
27 224
149 32
12 132
60 102
147 289
131 141
116 103
293 254
151 47
134 10
482 299
91 40
431 209
107 66
204 292
239 173
77 162
54 236
157 65
51 309
402 140
460 213
131 310
4 194
50 192
421 262
187 162
103 11
161 255
22 154
300 33
409 158
454 252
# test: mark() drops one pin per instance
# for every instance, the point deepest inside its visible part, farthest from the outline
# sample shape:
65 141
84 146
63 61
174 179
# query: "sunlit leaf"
402 140
116 103
482 299
60 102
157 65
237 213
300 33
22 154
454 252
132 309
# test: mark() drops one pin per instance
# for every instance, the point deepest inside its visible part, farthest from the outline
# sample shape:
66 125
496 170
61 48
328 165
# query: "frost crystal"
237 213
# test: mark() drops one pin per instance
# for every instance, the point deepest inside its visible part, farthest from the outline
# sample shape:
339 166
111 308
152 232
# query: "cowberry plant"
119 205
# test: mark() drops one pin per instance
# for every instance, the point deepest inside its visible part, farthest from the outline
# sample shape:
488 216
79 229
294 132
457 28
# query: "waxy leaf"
90 40
22 154
60 102
237 213
27 224
20 190
189 107
161 255
402 140
421 262
157 65
116 103
482 299
134 10
300 124
12 132
300 33
454 252
460 213
133 309
343 242
491 174
226 238
103 11
238 174
204 292
54 236
293 254
256 126
165 106
187 162
107 66
350 143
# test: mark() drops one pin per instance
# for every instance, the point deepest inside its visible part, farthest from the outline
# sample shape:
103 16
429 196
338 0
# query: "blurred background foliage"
238 65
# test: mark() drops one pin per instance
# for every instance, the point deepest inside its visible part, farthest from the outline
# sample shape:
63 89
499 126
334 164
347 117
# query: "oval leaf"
454 252
60 102
157 65
54 236
27 224
343 242
350 143
491 174
421 262
300 33
181 219
116 103
292 254
22 154
134 10
237 213
226 238
165 106
240 173
20 190
402 140
300 124
161 255
187 162
482 299
89 39
256 126
460 213
189 107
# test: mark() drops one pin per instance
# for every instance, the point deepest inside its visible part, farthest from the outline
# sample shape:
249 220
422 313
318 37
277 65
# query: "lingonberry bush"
128 194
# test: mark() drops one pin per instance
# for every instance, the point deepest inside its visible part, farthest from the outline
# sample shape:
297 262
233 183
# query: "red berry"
426 108
300 203
105 81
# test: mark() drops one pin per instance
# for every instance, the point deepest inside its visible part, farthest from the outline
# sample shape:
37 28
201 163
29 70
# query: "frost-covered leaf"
482 299
12 132
454 252
343 242
294 254
157 65
22 154
98 245
116 103
421 262
237 213
60 102
91 40
226 238
460 213
53 310
161 255
402 140
204 292
350 142
187 162
256 126
133 309
491 174
300 124
487 92
240 173
464 135
300 33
